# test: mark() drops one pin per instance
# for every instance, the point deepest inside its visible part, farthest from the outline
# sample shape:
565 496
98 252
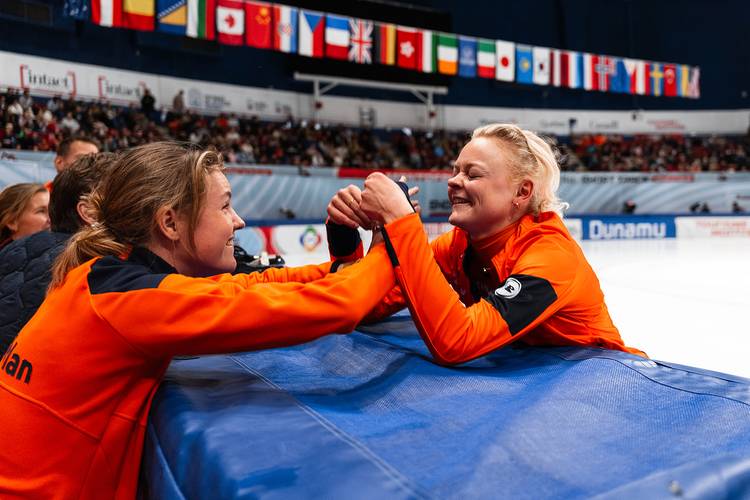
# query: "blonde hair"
532 158
141 181
14 200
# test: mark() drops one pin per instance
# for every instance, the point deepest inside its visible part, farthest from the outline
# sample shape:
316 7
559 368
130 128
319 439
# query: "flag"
603 67
106 12
384 43
230 21
77 9
486 58
587 70
542 61
259 25
447 53
406 47
138 14
683 80
636 70
171 16
570 69
524 64
467 57
311 33
426 55
360 41
694 87
656 76
670 80
505 55
285 29
337 36
555 67
620 80
201 19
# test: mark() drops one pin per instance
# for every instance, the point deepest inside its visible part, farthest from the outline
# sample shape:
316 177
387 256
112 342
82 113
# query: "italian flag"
486 58
447 53
201 20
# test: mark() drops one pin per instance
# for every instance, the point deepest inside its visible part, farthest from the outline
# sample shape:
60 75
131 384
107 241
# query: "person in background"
71 149
147 281
178 103
26 263
23 211
508 272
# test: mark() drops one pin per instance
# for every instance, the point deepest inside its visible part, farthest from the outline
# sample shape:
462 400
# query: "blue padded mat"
368 415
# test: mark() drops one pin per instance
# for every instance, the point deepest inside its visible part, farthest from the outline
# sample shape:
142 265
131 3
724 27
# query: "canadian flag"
230 21
106 12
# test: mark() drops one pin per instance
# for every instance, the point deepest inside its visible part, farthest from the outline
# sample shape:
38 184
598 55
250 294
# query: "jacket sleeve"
455 333
184 315
301 274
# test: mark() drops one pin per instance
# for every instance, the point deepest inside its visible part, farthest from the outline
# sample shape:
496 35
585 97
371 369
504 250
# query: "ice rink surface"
684 301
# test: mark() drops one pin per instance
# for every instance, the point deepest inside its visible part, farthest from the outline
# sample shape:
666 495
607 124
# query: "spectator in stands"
148 103
25 100
510 271
26 263
131 291
737 208
71 149
69 124
178 103
23 211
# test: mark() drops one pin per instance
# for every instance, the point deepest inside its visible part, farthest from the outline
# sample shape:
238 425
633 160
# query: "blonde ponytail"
87 243
533 159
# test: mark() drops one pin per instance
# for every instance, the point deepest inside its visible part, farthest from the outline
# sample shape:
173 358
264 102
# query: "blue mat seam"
158 448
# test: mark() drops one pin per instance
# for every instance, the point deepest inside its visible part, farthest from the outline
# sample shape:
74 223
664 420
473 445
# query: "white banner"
712 227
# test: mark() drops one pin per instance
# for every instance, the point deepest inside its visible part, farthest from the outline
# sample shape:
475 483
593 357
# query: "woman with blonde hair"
23 211
147 281
509 271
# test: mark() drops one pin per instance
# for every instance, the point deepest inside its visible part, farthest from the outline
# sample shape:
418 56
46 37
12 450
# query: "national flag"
312 29
201 19
683 80
285 28
670 80
337 36
555 67
570 69
604 68
485 58
694 87
587 70
406 47
447 53
505 60
259 25
230 21
106 12
360 41
656 76
384 43
620 80
426 54
77 9
467 57
542 62
524 64
171 16
636 70
138 14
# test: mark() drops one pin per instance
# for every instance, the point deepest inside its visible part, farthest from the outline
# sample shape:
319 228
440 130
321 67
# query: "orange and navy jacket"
77 384
544 292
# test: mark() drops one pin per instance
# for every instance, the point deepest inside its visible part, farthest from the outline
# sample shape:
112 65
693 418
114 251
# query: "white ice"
683 301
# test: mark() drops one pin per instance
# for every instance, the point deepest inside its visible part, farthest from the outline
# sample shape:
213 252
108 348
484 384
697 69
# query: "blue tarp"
369 415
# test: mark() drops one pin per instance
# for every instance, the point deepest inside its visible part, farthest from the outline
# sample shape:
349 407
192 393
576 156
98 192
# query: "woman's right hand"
344 208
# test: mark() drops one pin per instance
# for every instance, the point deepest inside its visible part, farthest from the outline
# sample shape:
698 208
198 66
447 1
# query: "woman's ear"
13 226
167 224
524 192
84 212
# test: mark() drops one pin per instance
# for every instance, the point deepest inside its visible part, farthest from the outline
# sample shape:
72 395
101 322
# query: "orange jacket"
77 384
544 291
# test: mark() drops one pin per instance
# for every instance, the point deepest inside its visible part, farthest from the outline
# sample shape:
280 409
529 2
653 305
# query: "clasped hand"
381 202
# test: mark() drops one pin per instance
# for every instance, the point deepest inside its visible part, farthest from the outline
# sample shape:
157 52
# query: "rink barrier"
308 237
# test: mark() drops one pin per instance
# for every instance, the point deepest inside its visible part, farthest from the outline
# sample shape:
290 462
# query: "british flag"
360 41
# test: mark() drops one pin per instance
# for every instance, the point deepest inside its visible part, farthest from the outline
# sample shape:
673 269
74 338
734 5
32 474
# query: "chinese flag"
259 25
670 80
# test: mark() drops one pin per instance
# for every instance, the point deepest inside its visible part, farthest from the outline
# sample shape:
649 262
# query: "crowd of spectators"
39 124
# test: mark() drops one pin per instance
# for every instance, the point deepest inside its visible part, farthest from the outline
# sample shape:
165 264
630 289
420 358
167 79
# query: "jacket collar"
145 257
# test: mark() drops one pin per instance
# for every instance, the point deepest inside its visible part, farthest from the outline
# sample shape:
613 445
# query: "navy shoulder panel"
111 274
521 299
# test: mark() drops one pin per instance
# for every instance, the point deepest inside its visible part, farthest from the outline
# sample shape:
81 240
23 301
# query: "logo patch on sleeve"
509 289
